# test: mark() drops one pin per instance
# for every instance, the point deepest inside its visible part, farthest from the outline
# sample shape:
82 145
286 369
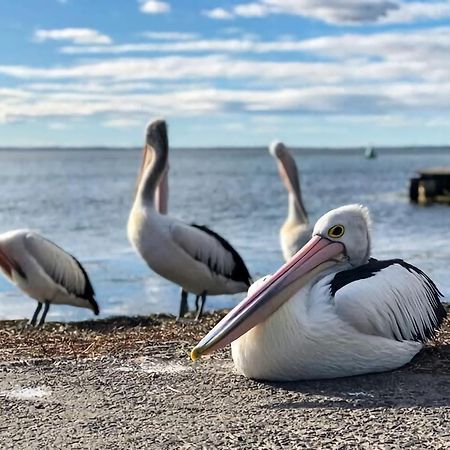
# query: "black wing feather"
240 271
436 312
88 291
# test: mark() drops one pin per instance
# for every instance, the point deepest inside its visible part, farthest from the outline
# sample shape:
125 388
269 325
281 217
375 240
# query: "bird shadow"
424 382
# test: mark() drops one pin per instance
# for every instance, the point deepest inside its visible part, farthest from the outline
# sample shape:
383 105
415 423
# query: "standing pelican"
331 311
162 206
45 272
192 256
295 232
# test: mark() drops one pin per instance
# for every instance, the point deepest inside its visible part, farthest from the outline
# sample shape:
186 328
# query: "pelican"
192 256
45 272
295 232
331 311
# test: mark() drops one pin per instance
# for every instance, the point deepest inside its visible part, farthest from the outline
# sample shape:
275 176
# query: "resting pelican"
331 311
45 272
295 232
192 256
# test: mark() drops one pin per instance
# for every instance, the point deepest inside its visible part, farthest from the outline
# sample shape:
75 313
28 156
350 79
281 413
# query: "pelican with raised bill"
45 272
192 256
296 231
331 311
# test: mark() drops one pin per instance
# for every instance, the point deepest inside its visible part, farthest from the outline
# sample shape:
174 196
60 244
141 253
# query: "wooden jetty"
430 186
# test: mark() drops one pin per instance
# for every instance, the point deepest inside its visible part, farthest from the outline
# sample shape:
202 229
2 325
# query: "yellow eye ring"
336 231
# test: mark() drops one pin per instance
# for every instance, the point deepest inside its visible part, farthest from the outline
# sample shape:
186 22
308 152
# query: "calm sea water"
81 200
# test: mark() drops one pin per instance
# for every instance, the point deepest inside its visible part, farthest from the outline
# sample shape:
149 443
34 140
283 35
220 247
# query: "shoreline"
116 335
122 335
128 382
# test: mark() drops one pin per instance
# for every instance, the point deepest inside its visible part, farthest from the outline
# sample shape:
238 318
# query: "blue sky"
225 72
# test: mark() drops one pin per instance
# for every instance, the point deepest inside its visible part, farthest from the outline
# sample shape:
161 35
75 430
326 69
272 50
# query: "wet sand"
129 383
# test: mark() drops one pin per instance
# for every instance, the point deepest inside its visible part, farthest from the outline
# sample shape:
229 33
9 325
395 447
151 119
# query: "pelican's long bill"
317 254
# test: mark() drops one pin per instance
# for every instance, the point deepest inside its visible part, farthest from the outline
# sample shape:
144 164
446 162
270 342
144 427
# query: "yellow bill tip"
195 354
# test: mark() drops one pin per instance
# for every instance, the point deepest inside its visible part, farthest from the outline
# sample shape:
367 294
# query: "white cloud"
76 35
11 93
89 87
336 12
225 45
425 53
389 99
154 7
434 66
218 13
169 35
122 123
342 12
383 75
418 11
251 10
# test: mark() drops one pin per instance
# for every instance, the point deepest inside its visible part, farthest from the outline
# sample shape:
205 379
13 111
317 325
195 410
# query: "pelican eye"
336 231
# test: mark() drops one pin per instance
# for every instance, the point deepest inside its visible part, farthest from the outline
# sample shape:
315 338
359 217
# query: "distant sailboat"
370 153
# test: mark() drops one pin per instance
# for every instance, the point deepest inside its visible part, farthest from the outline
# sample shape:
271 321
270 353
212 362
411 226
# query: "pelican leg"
32 322
183 304
199 310
44 314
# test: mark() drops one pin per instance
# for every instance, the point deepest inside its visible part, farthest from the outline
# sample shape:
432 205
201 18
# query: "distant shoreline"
337 150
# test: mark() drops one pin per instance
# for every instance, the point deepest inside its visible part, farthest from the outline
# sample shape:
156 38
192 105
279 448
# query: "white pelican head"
156 136
156 143
340 236
350 226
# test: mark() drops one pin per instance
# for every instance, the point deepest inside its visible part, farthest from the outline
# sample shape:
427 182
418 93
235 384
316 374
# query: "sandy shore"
128 383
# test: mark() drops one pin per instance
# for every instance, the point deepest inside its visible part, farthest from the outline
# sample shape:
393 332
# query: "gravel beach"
128 383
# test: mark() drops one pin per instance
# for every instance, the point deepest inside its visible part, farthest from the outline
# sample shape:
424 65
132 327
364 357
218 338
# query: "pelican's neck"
162 193
151 178
297 213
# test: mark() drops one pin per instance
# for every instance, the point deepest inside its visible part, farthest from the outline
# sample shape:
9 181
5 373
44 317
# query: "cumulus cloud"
423 51
168 35
418 11
332 100
342 12
76 35
435 66
252 10
211 45
380 74
336 12
154 7
218 13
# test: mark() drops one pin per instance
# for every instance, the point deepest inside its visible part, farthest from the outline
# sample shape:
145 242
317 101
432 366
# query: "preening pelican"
192 256
295 232
331 311
45 272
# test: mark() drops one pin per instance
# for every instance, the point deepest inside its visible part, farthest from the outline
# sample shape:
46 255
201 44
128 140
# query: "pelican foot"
186 320
26 326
